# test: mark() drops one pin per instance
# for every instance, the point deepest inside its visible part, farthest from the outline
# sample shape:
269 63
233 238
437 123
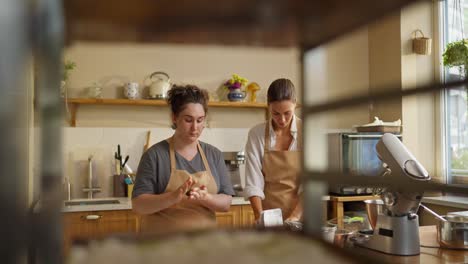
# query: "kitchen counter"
124 204
239 201
450 201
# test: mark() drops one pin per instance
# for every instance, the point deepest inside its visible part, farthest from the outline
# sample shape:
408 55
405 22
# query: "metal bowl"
373 208
453 233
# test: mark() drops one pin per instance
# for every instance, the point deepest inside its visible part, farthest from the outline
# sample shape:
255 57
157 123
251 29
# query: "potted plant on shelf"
67 67
456 55
234 85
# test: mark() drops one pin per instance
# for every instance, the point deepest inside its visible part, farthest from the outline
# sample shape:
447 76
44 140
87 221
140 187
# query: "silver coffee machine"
235 162
397 228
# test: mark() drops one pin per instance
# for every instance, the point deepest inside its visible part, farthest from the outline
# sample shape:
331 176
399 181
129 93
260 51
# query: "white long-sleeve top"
254 151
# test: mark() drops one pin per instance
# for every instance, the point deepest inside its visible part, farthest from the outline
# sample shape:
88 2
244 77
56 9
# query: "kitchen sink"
92 202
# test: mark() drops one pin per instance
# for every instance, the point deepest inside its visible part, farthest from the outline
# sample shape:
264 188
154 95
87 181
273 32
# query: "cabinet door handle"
93 217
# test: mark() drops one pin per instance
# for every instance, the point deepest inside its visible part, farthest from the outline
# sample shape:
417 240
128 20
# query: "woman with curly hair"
181 182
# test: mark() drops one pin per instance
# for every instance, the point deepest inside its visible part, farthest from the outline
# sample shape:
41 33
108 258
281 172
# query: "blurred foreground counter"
249 246
213 246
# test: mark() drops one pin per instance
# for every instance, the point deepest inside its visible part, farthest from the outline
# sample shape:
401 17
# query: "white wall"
337 70
385 65
419 112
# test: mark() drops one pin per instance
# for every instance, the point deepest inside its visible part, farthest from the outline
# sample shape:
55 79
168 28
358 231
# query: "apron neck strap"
299 133
172 153
205 161
266 148
173 158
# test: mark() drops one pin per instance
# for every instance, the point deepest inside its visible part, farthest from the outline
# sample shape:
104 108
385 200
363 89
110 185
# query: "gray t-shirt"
154 169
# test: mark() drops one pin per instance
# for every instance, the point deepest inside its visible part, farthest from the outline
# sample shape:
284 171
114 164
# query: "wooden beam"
234 22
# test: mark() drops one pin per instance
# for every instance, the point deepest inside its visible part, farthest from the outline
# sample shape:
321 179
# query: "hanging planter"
456 55
421 44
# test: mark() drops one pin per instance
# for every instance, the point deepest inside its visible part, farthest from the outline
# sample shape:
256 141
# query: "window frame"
443 120
442 155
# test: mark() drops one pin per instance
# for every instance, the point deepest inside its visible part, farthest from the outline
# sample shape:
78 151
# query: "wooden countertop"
431 253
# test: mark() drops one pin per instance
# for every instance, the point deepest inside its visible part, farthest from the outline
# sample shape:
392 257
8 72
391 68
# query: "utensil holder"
129 190
119 185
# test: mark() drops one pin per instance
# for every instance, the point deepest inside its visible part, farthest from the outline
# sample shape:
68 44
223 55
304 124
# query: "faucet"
67 187
90 189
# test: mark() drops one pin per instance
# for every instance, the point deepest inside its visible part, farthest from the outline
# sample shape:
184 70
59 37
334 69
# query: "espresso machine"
235 162
397 228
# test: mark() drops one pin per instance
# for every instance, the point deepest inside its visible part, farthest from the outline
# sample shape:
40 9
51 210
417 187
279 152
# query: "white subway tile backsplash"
80 142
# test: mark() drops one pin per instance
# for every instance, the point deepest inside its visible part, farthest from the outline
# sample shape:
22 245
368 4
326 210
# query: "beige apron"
185 215
281 170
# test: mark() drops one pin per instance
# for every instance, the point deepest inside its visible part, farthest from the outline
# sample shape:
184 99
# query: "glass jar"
95 91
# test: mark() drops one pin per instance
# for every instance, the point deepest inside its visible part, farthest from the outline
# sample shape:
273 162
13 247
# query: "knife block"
119 185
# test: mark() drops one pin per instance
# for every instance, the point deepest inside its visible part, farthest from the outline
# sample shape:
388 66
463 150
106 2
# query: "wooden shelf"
75 102
353 198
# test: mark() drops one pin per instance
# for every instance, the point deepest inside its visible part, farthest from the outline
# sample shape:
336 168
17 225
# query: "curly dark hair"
181 95
281 89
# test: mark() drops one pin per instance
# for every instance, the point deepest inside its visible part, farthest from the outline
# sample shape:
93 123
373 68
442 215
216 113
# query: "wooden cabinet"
248 217
98 224
231 219
239 216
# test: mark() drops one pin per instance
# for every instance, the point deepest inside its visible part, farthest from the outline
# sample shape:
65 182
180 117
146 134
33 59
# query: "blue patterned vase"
236 95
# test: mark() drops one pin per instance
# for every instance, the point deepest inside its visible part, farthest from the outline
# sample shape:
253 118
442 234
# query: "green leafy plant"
460 161
456 54
67 67
236 82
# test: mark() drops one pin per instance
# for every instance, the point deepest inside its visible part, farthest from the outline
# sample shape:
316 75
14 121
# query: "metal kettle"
160 85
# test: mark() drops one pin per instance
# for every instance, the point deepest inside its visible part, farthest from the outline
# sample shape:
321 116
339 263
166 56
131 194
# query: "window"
454 27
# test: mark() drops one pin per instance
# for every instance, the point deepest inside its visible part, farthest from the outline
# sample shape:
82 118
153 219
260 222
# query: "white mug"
131 90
